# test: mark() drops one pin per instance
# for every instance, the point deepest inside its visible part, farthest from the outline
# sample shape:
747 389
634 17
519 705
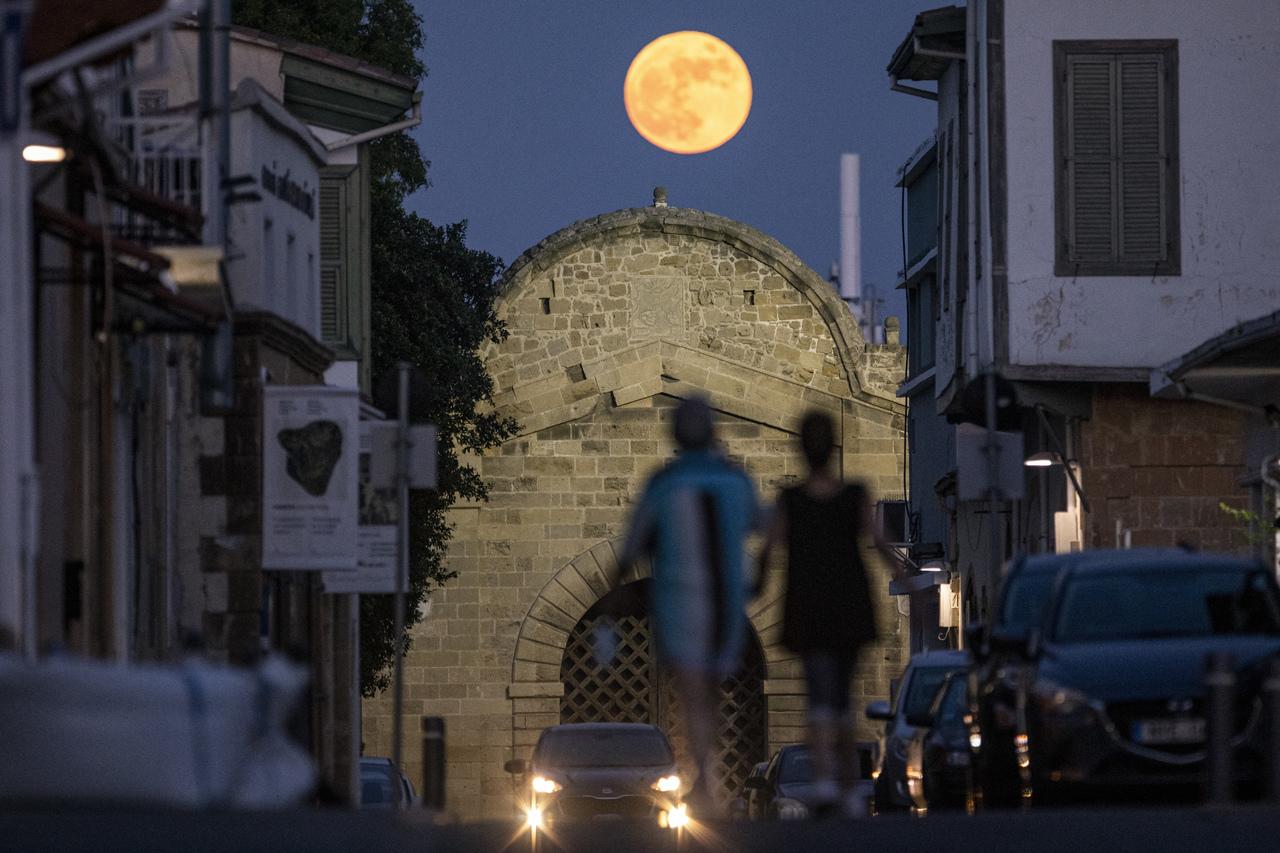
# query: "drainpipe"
895 86
971 230
984 157
385 130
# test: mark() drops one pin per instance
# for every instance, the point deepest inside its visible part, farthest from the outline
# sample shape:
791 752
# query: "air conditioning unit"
893 520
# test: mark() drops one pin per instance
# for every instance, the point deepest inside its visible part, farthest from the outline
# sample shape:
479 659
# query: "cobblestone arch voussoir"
565 599
641 221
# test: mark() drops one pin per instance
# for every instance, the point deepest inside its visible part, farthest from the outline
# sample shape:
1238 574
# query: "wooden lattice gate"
633 689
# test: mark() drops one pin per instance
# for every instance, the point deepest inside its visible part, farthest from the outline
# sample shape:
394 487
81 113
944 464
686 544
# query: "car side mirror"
517 766
920 721
756 783
879 710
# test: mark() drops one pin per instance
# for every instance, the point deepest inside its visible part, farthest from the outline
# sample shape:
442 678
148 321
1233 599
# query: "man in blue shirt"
692 520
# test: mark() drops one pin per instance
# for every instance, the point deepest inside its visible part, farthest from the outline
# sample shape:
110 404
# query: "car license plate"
1176 730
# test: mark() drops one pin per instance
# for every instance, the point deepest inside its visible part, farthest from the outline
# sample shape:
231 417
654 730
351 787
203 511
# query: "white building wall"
1228 65
257 144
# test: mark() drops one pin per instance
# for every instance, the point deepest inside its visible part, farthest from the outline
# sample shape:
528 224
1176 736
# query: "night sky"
526 131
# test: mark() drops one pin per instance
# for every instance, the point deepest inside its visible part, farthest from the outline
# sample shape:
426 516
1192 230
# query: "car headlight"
667 784
789 809
543 785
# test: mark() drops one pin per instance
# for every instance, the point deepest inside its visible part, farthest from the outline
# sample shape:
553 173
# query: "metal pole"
402 576
1044 492
1220 689
433 763
993 478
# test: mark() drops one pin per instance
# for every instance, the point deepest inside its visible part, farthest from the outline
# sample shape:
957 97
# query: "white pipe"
850 229
970 341
984 156
379 132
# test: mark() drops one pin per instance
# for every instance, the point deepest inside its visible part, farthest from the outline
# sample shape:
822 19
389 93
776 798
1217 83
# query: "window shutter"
332 231
1091 168
1142 158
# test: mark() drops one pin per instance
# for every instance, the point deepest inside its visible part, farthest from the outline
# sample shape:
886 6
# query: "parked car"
377 791
938 760
1113 689
998 652
919 684
784 791
745 804
582 771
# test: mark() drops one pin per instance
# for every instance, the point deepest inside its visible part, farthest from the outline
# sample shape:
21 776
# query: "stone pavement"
1166 830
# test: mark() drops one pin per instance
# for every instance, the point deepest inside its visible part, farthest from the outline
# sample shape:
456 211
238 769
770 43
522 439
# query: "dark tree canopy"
433 298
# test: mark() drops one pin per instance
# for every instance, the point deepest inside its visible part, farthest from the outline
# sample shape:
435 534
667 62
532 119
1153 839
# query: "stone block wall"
1161 469
612 321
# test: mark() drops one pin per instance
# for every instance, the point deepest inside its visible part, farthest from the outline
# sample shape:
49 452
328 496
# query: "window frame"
1171 265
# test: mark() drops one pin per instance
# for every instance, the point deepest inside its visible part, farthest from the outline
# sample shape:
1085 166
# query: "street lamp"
1043 459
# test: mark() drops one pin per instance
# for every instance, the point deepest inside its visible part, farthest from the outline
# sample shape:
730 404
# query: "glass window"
923 686
1025 598
1122 606
603 748
796 767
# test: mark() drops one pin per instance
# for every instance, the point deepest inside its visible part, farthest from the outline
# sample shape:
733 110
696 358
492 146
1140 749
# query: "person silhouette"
828 615
692 520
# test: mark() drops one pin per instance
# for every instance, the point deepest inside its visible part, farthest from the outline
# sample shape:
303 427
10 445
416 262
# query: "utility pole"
402 577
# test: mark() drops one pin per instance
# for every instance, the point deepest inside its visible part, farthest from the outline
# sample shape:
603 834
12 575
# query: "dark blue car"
1111 681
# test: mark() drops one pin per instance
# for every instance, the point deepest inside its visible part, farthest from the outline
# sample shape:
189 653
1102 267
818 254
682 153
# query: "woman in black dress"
828 615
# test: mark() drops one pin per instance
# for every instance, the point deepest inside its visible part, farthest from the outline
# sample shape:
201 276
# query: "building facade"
612 321
1093 222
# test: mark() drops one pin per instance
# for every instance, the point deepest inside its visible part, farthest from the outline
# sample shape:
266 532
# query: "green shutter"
1142 163
333 223
1090 158
1118 166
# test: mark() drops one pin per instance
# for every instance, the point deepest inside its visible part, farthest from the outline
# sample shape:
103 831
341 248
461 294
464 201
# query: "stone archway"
611 321
553 653
631 686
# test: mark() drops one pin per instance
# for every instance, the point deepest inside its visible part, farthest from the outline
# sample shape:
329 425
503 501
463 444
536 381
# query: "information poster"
376 567
310 473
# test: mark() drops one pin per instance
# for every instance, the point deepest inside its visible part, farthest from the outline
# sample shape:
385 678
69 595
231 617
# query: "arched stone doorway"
612 321
631 686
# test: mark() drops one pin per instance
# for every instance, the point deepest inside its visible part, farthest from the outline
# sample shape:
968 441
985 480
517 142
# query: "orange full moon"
687 92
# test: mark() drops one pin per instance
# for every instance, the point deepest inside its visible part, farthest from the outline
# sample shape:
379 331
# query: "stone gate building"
613 320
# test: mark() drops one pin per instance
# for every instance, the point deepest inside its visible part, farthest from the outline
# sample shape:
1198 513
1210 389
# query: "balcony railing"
164 158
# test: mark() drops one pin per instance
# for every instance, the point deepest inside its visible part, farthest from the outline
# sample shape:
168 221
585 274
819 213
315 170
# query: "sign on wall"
379 516
310 477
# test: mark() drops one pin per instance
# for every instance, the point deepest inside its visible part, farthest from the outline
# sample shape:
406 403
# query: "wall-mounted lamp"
44 153
1043 459
932 566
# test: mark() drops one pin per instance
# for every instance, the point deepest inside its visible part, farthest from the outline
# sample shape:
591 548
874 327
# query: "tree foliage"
433 298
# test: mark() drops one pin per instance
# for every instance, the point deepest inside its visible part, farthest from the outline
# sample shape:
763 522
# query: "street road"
1069 831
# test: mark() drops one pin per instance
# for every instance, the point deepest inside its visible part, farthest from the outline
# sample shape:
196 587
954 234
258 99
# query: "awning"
1240 367
936 31
137 272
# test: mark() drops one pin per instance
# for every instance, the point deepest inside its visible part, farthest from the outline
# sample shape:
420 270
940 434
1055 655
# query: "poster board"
379 515
310 477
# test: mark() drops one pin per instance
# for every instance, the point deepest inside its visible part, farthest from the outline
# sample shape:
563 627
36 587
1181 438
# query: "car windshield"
953 705
795 767
1024 599
375 785
923 686
603 748
1183 603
